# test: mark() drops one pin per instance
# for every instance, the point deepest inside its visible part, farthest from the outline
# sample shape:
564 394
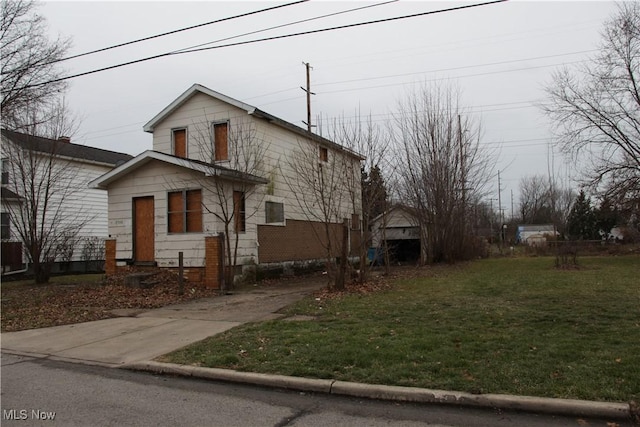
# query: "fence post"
181 273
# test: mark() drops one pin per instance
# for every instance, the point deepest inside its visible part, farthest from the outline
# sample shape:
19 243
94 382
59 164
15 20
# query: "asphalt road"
45 392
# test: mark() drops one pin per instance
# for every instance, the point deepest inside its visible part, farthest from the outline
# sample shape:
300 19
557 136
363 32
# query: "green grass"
514 325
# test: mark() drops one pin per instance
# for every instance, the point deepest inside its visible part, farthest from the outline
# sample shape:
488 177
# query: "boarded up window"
274 212
180 142
221 146
239 212
185 211
324 154
194 211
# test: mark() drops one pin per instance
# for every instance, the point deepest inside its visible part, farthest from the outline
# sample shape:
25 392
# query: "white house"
47 179
223 167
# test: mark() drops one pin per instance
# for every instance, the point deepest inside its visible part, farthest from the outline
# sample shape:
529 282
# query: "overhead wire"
334 28
287 25
216 21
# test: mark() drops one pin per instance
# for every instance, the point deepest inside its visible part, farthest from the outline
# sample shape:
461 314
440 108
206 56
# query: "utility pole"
511 204
309 93
500 211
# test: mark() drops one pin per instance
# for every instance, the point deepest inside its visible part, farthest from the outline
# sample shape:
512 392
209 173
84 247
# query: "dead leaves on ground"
57 304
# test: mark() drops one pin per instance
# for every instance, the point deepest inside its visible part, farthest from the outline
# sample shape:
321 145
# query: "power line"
488 64
340 27
449 78
287 25
229 18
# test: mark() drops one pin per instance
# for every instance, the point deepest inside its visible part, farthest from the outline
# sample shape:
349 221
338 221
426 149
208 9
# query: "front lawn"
512 325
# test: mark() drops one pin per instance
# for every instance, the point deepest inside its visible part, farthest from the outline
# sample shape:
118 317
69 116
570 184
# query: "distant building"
535 234
398 230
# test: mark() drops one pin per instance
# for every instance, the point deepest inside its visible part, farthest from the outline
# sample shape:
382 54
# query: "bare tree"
28 64
244 157
325 181
443 169
367 191
48 184
543 201
596 107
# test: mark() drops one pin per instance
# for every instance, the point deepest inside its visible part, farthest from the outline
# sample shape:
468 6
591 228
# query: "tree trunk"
344 257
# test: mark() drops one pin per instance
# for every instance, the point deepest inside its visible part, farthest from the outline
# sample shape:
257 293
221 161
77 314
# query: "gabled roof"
65 149
208 169
194 89
396 206
251 110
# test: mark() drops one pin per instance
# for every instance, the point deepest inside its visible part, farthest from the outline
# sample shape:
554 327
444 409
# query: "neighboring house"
535 234
11 245
399 228
25 158
202 179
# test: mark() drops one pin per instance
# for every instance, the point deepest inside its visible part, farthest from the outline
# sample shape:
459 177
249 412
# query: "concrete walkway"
145 334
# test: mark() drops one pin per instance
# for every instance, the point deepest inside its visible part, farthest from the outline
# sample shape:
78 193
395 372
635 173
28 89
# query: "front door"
143 229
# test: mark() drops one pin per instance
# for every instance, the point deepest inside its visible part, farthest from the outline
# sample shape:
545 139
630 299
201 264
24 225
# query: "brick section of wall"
213 261
110 257
297 241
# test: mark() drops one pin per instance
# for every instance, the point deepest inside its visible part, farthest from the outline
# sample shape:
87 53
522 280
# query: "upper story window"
220 141
185 211
324 154
179 141
5 171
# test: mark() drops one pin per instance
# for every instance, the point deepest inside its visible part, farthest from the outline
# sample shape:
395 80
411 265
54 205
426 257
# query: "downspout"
10 273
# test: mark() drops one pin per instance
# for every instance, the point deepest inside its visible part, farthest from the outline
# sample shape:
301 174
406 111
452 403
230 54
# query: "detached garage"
399 232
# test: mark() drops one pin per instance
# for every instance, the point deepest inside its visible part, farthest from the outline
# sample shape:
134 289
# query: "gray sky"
501 56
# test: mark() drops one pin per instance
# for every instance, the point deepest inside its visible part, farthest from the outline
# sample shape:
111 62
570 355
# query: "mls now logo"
23 414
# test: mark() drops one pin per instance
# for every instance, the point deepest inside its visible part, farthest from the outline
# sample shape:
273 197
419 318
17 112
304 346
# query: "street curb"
568 407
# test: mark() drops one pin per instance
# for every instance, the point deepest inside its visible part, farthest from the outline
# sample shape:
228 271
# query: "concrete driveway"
146 334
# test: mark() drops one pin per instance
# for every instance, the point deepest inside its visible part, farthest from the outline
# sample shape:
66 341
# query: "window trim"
323 153
184 229
213 140
266 218
186 141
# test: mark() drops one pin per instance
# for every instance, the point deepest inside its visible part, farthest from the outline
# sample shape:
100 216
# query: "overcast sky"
501 56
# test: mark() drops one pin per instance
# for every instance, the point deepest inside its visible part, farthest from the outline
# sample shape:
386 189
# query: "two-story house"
47 208
229 183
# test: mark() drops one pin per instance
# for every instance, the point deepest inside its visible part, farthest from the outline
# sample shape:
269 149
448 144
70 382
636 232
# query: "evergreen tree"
607 216
581 224
374 192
